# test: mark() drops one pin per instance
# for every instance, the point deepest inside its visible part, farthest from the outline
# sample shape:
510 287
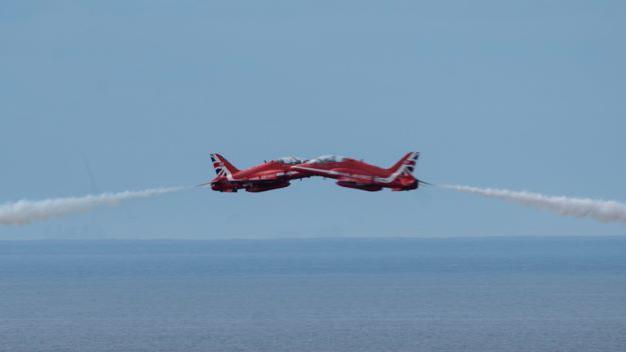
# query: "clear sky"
116 95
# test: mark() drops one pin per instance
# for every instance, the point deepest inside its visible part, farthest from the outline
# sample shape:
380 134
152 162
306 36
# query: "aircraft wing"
356 179
268 177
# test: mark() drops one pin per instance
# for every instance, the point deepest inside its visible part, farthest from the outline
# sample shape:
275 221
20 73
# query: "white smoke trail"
602 210
26 211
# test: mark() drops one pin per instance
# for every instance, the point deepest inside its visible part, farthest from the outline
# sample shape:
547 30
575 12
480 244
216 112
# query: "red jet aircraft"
360 175
270 175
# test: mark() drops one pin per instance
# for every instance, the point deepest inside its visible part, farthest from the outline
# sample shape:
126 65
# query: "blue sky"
521 95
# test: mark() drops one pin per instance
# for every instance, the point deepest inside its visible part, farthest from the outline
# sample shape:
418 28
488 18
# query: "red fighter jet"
270 175
360 175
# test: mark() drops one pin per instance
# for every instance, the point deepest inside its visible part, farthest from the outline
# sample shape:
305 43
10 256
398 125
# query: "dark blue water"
498 294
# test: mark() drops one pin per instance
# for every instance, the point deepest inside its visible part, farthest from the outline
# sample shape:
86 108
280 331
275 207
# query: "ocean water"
477 294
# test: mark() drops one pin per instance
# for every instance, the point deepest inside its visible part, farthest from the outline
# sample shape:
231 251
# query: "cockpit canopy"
326 159
290 160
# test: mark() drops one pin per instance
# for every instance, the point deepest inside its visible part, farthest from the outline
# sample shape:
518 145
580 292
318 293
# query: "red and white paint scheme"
270 175
357 174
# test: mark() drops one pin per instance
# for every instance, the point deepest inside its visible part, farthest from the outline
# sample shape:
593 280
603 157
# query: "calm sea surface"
481 294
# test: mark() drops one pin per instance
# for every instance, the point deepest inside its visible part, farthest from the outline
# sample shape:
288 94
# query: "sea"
327 294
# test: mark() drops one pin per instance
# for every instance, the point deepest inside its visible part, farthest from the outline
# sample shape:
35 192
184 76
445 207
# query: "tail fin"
222 166
406 165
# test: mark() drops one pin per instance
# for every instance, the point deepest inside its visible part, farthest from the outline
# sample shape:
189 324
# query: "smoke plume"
602 210
26 211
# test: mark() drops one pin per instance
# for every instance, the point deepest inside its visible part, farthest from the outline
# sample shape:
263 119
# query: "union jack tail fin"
406 165
222 166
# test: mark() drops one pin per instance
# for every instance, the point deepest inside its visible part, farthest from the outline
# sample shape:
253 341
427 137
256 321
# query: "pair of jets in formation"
348 172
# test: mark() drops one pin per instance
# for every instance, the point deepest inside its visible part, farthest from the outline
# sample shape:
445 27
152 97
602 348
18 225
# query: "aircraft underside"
232 187
262 187
370 187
